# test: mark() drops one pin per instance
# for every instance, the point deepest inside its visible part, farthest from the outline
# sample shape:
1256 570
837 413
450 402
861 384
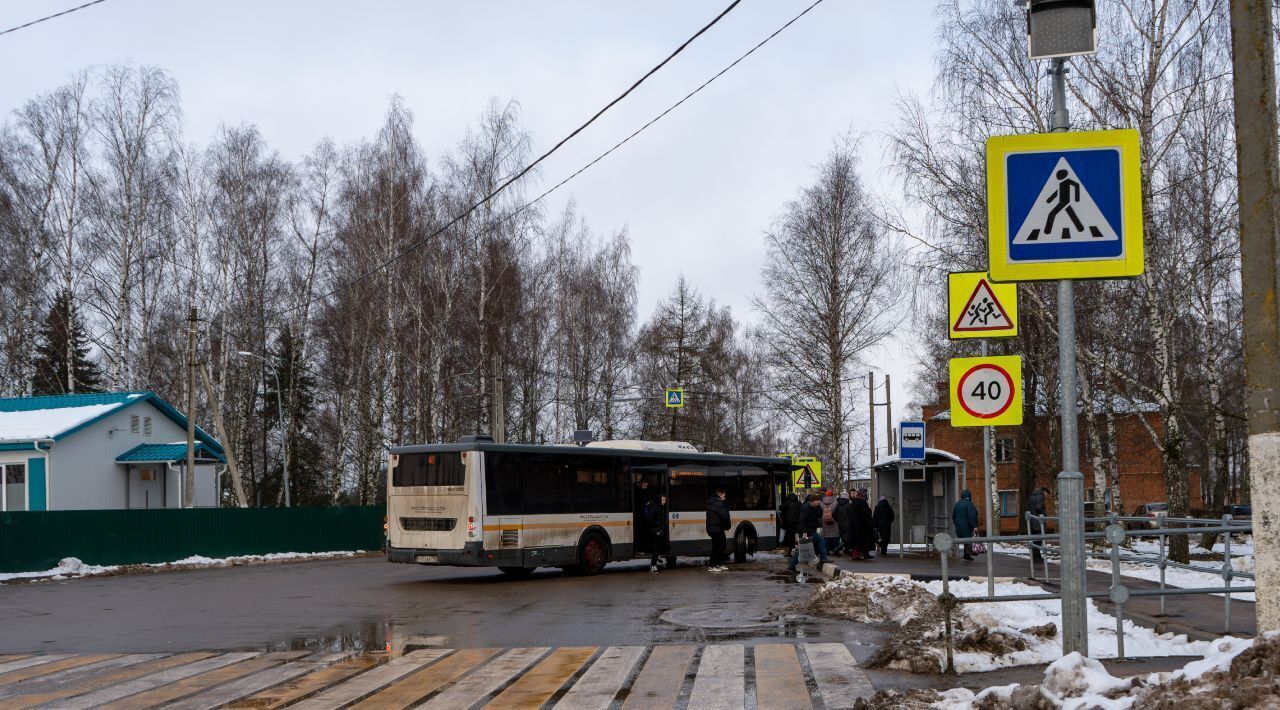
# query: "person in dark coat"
658 523
965 517
641 495
882 519
1036 506
862 532
844 522
718 521
810 529
789 519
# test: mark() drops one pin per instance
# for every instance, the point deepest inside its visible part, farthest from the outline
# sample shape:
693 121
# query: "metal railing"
1114 535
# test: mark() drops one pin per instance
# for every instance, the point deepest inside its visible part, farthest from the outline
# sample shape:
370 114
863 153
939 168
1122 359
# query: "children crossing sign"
979 308
986 391
1064 206
674 398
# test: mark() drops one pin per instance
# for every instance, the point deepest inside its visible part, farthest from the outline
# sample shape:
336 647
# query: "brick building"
1030 451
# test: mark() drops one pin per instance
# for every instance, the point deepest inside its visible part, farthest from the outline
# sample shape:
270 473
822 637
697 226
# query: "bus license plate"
422 559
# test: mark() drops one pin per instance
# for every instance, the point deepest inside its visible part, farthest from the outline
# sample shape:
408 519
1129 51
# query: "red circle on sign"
965 376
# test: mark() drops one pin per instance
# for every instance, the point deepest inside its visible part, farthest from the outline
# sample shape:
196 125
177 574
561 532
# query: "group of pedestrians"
835 524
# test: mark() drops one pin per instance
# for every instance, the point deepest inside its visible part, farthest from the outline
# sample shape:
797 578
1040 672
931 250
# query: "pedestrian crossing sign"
979 308
675 398
1064 206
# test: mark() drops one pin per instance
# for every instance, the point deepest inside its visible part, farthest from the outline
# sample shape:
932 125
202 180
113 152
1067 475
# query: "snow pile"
71 567
1205 578
48 423
886 599
1236 673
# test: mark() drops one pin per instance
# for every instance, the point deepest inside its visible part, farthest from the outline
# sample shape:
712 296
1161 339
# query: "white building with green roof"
110 450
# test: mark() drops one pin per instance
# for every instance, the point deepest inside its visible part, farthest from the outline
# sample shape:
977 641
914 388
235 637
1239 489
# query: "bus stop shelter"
922 494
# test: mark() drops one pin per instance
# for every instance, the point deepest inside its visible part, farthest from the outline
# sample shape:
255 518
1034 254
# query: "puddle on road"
368 637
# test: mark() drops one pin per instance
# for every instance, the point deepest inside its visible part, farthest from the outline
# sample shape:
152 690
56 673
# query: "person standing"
830 529
640 496
810 529
882 519
718 521
1036 505
657 520
844 521
862 532
965 516
789 520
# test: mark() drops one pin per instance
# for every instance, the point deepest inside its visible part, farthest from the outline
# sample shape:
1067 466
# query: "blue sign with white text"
911 441
1064 205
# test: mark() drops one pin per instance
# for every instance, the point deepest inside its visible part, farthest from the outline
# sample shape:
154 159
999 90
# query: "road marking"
478 685
840 681
779 678
155 680
720 684
368 682
536 687
658 684
597 687
202 682
414 688
313 682
20 663
62 664
248 685
87 678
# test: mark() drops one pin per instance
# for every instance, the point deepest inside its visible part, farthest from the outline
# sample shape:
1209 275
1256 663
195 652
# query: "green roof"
176 451
113 402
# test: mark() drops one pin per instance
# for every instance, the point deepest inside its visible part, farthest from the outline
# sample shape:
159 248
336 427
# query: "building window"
146 426
1005 449
15 487
1008 504
133 424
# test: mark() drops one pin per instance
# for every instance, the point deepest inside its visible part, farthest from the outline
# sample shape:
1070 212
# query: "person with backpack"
844 520
830 528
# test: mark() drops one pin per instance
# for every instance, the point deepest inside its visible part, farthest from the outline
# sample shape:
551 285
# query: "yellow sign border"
1009 363
961 286
813 463
666 398
1130 263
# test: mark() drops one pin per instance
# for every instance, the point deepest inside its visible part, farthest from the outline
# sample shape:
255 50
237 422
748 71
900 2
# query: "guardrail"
1113 535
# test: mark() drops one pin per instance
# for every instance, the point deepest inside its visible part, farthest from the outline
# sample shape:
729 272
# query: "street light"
284 433
1061 28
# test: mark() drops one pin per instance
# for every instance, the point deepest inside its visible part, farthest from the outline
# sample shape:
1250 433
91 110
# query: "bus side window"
502 476
547 485
726 478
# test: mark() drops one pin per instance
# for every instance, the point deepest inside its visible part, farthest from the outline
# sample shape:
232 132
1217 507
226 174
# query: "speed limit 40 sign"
986 391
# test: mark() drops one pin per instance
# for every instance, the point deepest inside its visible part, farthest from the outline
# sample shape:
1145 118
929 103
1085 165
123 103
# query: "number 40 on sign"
986 391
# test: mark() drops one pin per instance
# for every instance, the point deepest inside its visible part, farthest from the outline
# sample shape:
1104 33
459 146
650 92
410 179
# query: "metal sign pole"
1075 636
986 491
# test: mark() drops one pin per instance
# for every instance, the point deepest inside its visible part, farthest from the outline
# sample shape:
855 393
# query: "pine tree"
61 336
307 480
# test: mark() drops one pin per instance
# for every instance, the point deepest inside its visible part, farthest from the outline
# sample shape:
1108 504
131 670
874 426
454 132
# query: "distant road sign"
986 391
809 475
1064 206
675 398
979 308
911 441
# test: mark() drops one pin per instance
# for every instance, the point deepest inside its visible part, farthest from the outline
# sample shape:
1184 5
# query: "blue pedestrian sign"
1064 206
675 398
911 441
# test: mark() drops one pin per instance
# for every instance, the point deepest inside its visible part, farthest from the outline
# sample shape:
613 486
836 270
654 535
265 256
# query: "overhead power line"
50 17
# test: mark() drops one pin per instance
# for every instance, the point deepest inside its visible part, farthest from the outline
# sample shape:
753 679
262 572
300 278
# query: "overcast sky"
695 190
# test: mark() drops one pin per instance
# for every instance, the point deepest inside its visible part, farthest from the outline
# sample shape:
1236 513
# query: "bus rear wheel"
593 554
741 542
517 572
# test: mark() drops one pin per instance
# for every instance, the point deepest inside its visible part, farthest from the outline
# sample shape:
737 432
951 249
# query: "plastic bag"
806 555
979 548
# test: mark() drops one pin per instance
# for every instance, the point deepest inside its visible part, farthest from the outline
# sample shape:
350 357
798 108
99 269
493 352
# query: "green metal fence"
34 541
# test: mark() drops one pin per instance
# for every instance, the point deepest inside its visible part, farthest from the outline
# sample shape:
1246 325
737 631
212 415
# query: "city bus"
518 507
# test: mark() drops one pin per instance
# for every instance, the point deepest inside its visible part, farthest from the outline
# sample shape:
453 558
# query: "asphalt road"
364 604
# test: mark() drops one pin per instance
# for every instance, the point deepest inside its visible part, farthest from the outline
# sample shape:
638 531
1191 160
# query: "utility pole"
1258 168
189 474
871 426
1075 629
889 443
499 405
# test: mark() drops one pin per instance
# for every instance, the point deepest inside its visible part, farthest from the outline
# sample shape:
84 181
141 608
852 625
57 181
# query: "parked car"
1150 511
1239 511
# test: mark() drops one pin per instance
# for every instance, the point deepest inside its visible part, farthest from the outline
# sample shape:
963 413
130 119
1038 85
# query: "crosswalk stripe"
19 663
72 682
476 686
12 657
62 664
248 685
199 683
658 684
840 681
720 684
536 687
299 688
779 677
155 680
103 680
405 693
596 689
372 680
